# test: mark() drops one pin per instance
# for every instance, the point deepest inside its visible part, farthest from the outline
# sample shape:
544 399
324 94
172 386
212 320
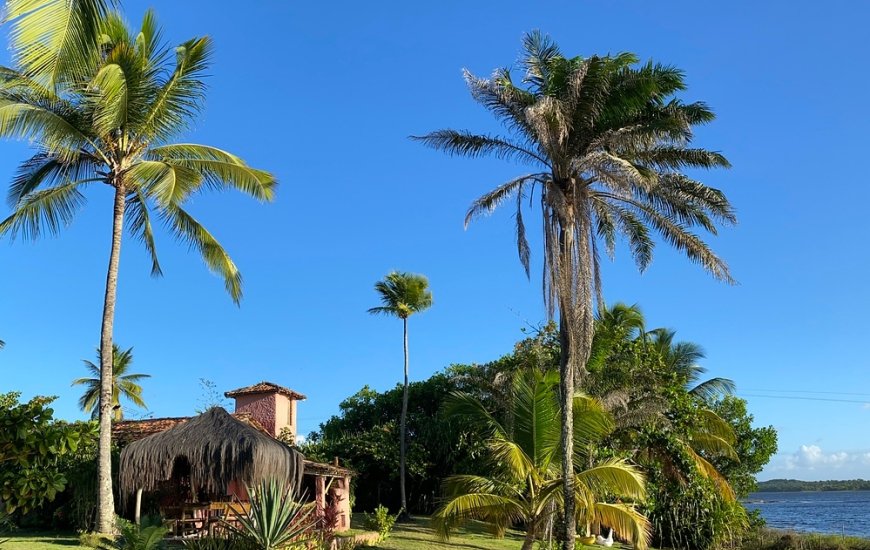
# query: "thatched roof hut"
219 449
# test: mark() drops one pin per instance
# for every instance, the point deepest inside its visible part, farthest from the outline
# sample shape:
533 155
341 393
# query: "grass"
416 534
42 541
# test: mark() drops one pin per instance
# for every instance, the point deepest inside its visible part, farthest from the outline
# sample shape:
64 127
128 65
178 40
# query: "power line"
805 398
811 391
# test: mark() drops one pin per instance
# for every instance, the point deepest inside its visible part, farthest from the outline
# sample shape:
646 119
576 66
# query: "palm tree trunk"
403 426
566 394
105 498
576 325
529 540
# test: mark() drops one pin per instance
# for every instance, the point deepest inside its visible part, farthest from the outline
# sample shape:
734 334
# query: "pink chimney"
271 405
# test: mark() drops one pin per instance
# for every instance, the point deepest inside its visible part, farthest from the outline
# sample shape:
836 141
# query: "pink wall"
272 410
262 408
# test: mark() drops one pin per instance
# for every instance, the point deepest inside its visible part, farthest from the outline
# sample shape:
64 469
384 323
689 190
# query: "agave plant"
277 517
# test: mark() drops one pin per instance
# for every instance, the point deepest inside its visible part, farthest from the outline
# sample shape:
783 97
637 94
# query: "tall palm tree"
607 141
402 295
125 384
525 480
102 105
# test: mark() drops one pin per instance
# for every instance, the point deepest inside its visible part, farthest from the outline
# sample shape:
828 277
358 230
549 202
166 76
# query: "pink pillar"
340 492
319 494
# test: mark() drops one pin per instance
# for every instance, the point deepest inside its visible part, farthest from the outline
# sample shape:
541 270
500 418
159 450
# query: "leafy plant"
136 537
277 517
95 540
31 444
380 521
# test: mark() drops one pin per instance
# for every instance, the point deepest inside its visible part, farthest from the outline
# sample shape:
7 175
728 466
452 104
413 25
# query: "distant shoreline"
796 485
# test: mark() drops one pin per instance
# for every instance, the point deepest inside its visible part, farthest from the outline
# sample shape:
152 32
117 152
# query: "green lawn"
43 541
418 535
413 535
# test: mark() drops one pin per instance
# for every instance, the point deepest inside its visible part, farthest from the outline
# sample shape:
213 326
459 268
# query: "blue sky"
325 95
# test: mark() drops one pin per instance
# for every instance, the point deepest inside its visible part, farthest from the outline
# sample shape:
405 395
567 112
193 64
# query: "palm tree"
635 399
682 358
525 483
102 105
607 141
402 295
125 384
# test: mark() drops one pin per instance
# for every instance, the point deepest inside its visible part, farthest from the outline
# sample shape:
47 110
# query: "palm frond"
190 231
713 388
626 521
55 41
466 144
615 476
45 210
55 134
219 169
138 221
494 509
180 97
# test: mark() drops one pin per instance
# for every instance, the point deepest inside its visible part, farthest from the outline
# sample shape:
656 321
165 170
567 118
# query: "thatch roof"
219 448
265 387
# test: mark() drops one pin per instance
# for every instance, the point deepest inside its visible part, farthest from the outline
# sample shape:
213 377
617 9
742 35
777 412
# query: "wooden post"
319 495
138 505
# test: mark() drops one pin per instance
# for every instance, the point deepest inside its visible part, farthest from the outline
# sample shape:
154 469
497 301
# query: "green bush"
381 521
770 539
136 537
95 540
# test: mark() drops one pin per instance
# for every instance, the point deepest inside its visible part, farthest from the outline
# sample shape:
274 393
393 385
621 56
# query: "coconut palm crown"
115 127
402 295
607 143
126 384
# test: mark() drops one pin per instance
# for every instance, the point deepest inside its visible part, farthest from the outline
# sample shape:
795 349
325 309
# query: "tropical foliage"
103 104
402 295
695 452
607 141
32 443
125 384
524 483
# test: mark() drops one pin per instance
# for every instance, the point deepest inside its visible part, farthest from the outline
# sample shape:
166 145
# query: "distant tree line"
786 485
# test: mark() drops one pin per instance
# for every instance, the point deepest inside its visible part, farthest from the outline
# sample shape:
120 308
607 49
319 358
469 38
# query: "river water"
837 512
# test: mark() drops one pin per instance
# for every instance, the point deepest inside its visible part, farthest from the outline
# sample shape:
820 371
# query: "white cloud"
811 462
866 406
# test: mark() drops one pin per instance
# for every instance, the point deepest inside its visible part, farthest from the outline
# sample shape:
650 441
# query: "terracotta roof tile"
265 387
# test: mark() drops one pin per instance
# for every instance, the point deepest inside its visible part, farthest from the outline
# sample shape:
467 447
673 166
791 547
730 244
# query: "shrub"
95 540
136 537
381 521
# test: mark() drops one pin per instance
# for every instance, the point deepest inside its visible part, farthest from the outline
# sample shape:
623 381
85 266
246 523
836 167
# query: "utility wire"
805 398
810 391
